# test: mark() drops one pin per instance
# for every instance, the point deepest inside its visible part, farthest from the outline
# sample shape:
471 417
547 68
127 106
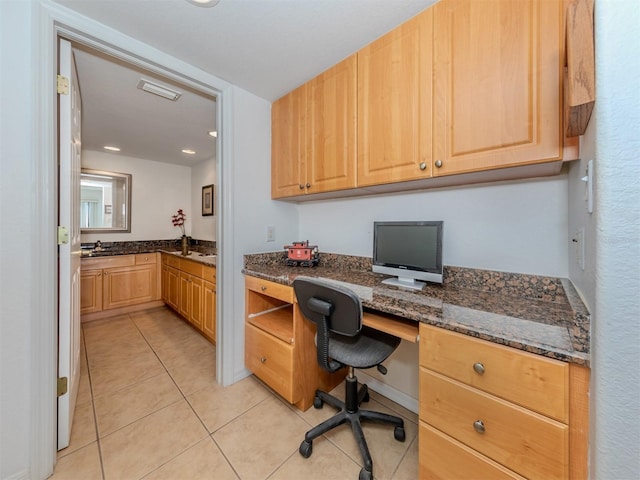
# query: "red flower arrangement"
178 220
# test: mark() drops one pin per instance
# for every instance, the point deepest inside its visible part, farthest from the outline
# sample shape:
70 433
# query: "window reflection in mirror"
105 201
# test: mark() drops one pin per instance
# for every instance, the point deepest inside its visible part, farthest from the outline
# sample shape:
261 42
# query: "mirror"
105 202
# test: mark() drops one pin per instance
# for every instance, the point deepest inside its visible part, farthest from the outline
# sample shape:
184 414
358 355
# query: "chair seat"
368 349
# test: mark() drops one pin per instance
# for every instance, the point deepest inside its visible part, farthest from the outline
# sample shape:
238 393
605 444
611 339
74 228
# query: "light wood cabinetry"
279 344
117 284
394 104
498 70
464 92
189 288
490 411
313 146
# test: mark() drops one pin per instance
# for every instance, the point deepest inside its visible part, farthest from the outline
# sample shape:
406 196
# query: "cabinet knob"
438 163
146 258
308 185
423 165
263 359
301 187
478 426
99 273
478 368
263 288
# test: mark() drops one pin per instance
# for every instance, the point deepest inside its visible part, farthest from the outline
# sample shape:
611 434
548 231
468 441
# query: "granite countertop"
204 255
541 315
200 257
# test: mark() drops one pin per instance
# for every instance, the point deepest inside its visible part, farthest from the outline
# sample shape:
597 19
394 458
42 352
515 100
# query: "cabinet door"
90 291
497 83
394 104
123 286
287 144
173 288
209 310
195 301
184 304
331 128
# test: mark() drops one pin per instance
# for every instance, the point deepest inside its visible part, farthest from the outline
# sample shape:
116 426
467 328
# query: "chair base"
349 412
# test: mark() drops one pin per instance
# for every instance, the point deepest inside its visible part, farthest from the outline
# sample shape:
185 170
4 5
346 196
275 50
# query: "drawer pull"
478 426
478 368
263 288
263 359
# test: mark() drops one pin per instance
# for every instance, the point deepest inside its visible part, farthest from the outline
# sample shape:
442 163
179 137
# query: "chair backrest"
320 300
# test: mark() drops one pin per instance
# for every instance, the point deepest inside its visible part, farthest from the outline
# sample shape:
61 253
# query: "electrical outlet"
271 233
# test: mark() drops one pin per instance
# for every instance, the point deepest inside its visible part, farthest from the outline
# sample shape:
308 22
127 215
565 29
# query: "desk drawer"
173 261
523 441
537 383
271 289
271 360
443 458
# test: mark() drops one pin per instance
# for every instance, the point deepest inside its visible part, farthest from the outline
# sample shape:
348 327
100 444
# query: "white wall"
615 230
512 226
16 241
158 191
202 174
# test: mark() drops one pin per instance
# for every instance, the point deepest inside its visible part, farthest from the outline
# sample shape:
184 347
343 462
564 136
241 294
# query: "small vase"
185 245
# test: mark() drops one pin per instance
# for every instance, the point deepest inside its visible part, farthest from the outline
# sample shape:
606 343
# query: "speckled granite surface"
541 315
148 246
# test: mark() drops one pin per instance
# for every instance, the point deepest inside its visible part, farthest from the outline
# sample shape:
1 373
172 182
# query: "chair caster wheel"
399 434
305 449
317 402
365 475
366 397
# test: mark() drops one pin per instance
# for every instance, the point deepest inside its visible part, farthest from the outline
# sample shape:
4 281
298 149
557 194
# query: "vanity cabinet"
189 288
314 134
395 104
118 284
490 411
279 344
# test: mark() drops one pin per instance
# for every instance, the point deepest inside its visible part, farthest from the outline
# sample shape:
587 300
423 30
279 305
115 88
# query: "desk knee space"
401 328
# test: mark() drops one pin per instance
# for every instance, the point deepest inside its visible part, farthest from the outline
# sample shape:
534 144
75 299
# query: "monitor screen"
409 250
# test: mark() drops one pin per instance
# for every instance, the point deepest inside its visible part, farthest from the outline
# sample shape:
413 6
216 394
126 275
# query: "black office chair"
342 341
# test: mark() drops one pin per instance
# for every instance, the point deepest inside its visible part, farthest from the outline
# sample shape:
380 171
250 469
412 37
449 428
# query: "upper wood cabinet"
313 145
394 104
498 67
288 170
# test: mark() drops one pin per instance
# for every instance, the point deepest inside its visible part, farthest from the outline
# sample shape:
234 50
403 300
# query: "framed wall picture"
207 200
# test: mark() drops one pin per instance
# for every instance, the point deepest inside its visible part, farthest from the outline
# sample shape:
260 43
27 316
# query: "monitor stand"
405 282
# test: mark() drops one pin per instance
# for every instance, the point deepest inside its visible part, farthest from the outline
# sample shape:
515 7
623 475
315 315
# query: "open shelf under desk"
276 321
397 326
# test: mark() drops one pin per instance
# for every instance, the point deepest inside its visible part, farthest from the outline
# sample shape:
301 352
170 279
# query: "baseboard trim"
388 391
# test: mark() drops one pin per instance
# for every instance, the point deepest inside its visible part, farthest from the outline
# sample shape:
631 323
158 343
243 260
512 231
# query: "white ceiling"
267 47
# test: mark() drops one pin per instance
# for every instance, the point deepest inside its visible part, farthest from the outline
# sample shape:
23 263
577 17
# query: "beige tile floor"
149 408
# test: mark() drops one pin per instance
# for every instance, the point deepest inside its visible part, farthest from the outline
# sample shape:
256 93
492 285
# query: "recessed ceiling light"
204 3
111 149
213 133
188 151
161 91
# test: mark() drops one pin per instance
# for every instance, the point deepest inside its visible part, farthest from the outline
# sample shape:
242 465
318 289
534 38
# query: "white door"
69 253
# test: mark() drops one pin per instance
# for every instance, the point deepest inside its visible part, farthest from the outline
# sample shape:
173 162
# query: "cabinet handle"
263 288
423 166
146 258
263 359
478 426
478 368
308 185
99 273
301 187
438 163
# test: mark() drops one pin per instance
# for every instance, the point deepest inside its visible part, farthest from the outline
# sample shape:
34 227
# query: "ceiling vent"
159 90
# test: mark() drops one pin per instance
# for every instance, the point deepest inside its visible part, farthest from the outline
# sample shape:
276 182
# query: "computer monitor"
411 251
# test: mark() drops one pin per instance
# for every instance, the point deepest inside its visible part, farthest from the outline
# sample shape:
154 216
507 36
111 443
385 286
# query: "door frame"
50 21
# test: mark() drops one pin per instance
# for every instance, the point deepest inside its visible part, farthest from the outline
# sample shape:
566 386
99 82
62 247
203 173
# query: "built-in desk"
504 358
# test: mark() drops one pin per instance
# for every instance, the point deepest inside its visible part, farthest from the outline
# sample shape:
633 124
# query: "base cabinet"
118 284
189 288
490 411
279 344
